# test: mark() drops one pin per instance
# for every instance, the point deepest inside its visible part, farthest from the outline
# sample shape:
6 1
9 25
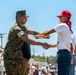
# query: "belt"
74 55
63 50
26 59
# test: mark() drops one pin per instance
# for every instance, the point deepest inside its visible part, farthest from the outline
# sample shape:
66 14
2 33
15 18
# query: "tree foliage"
48 59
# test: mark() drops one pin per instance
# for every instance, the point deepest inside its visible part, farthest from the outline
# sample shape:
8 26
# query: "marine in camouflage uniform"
15 63
13 55
13 58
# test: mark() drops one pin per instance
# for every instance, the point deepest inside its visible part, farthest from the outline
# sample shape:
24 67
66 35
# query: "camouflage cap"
22 12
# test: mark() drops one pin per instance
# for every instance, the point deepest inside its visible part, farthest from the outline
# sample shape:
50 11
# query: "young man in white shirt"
63 30
73 52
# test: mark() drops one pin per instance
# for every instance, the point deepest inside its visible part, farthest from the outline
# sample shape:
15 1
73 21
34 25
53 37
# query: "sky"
42 16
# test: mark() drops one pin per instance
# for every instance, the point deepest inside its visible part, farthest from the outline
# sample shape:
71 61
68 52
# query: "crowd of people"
33 68
45 70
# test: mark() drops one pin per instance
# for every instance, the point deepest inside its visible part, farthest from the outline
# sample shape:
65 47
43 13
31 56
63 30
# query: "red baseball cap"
65 13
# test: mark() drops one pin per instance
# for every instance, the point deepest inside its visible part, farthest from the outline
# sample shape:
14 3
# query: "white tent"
1 49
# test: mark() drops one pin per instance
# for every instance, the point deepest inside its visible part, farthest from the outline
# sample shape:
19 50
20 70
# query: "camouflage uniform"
13 56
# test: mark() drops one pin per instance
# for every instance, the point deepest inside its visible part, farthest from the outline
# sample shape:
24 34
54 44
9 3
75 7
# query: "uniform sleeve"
19 32
60 28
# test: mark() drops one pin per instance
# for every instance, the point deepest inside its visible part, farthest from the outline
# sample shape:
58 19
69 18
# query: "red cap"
65 13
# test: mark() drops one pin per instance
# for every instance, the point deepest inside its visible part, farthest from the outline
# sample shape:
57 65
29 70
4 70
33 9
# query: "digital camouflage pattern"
12 52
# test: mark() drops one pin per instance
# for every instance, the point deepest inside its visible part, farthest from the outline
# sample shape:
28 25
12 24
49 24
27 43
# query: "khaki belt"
26 59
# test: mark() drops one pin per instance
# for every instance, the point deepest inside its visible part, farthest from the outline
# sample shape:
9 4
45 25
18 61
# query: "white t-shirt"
63 37
44 68
33 68
73 41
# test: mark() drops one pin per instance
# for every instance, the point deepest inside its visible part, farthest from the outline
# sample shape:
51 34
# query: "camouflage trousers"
13 67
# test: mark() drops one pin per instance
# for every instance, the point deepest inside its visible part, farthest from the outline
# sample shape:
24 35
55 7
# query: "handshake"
46 45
